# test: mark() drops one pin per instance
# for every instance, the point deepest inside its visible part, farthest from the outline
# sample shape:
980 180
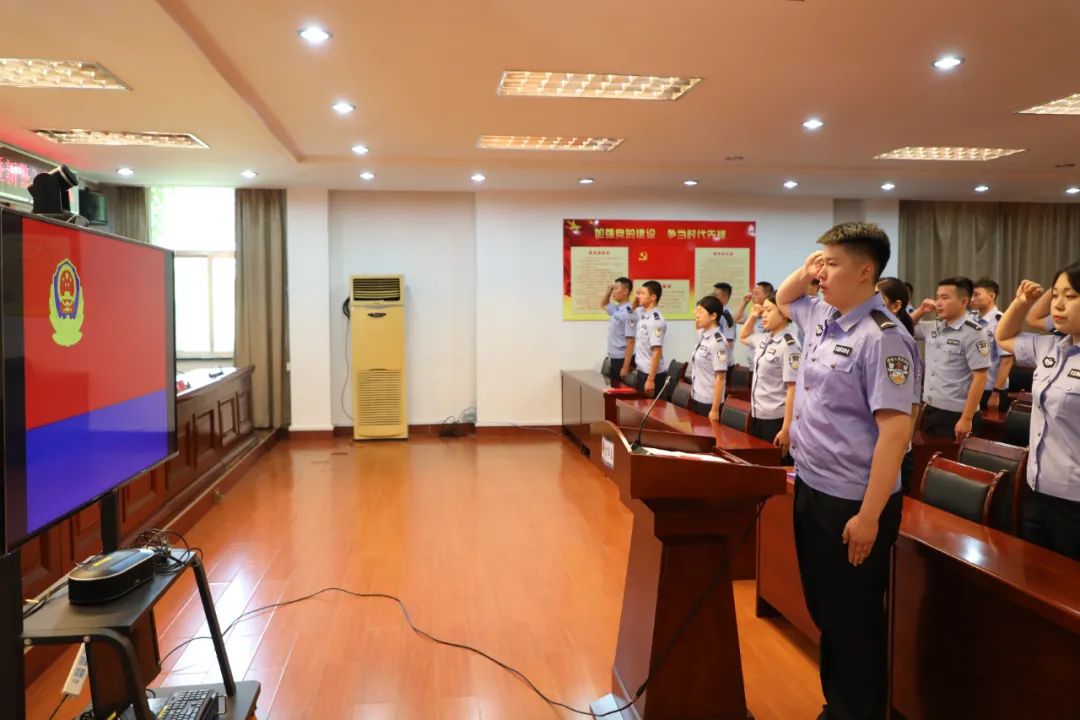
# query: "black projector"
110 576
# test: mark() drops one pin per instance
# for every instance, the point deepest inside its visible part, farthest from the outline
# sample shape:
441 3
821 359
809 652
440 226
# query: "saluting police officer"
709 361
621 325
649 340
957 361
722 291
775 359
853 401
1052 509
984 302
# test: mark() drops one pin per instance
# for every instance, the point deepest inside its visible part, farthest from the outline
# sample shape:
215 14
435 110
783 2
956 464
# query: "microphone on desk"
641 428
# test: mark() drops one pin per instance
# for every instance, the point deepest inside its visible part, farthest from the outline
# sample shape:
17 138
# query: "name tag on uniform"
953 341
1075 373
842 350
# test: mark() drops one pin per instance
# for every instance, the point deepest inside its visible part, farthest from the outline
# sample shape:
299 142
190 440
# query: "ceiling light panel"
536 142
947 153
528 83
113 137
68 74
1062 106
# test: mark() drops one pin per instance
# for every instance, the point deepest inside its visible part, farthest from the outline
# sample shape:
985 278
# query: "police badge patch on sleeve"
984 347
898 369
793 360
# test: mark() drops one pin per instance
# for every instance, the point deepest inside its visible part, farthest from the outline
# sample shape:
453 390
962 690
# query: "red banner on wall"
686 257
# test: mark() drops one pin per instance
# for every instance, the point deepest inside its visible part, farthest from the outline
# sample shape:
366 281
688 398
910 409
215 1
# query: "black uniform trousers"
766 430
846 602
942 423
1053 523
1004 401
643 377
699 407
616 369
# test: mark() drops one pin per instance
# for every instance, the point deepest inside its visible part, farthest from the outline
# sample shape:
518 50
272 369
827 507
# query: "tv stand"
111 624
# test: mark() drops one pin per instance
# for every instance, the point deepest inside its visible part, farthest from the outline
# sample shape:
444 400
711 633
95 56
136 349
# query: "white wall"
882 212
430 238
483 280
521 339
307 245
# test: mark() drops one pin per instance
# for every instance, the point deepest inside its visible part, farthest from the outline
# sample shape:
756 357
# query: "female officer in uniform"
775 361
1052 509
897 299
708 364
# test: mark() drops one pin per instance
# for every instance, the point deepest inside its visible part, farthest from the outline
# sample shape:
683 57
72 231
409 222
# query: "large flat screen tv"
89 379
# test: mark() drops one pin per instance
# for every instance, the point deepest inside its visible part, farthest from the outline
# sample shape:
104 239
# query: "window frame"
209 256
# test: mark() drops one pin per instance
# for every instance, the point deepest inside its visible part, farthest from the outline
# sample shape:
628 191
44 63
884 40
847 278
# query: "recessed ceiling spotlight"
791 184
981 188
1073 190
586 181
689 183
813 124
249 174
478 177
888 186
948 62
360 149
367 175
343 108
314 35
125 171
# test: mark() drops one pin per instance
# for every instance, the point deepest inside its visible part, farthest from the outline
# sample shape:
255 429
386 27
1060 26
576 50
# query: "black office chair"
736 414
605 367
1017 427
681 395
960 489
675 371
999 457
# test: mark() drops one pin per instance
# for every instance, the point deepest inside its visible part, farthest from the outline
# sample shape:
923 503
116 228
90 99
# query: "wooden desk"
673 418
587 398
982 624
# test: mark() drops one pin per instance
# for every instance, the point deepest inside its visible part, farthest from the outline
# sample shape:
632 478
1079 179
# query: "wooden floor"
515 545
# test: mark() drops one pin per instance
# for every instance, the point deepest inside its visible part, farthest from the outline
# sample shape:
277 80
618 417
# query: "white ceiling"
423 77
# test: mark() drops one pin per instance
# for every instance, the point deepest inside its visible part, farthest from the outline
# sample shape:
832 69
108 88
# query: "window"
199 226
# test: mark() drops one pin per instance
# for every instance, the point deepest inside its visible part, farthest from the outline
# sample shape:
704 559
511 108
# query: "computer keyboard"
189 705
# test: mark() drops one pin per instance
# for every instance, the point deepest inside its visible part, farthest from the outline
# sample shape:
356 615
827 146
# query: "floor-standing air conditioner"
377 328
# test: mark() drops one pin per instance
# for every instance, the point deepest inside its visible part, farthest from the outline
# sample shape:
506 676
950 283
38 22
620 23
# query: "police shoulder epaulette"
718 336
998 316
728 317
656 316
882 320
972 324
788 339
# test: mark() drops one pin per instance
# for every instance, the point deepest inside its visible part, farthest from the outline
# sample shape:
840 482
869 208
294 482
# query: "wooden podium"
689 510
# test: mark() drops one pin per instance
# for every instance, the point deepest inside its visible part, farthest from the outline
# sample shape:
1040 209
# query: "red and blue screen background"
102 410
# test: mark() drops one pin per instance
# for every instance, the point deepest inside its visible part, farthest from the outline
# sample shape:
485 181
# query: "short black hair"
1072 272
987 283
712 305
766 286
772 299
626 282
961 283
726 287
654 288
866 239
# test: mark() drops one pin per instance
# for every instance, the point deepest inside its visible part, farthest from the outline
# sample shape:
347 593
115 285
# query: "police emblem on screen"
67 304
898 369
